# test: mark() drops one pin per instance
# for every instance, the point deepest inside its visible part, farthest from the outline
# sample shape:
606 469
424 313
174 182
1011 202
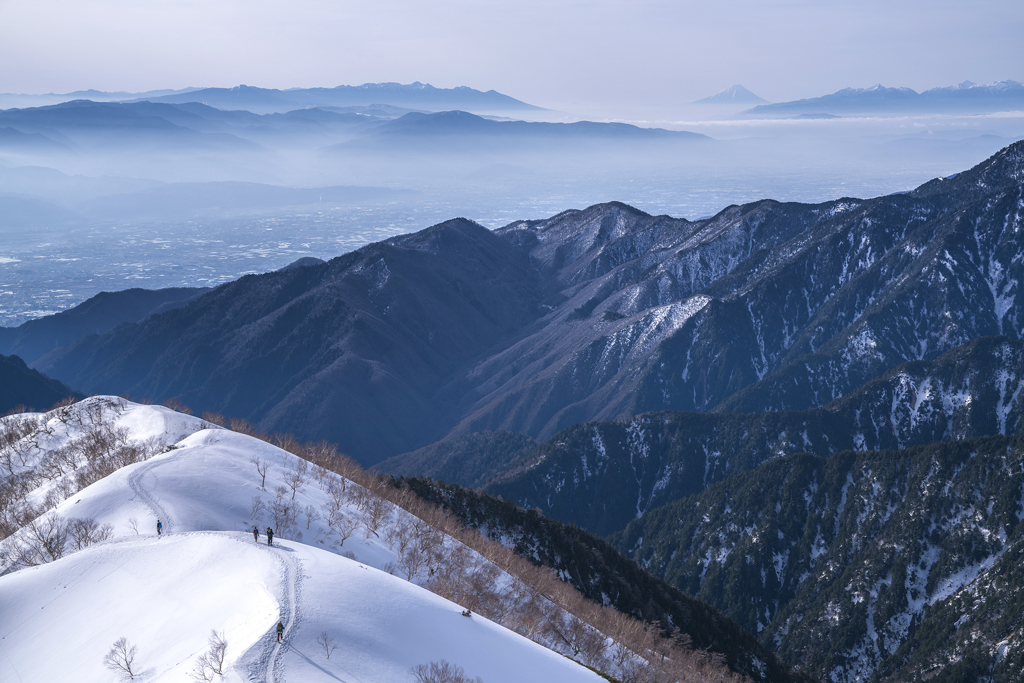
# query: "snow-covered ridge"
345 565
166 593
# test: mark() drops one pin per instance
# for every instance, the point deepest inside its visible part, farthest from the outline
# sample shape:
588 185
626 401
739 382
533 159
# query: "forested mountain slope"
895 565
604 575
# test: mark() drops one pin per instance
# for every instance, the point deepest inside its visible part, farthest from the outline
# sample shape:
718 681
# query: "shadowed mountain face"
353 350
22 386
97 315
593 314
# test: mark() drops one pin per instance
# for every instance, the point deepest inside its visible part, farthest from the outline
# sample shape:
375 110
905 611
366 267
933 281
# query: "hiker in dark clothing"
280 631
270 536
256 534
159 527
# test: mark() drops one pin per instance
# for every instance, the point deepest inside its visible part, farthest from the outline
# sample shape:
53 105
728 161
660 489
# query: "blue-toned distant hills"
964 98
415 96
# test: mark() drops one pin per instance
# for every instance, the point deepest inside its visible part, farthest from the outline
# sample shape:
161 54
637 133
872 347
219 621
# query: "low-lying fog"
89 205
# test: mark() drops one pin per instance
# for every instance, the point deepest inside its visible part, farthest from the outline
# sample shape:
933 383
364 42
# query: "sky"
563 54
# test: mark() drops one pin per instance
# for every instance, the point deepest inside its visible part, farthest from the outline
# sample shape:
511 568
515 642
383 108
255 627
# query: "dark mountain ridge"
593 315
21 386
95 315
352 350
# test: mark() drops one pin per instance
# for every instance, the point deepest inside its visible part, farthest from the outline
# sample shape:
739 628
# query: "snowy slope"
166 594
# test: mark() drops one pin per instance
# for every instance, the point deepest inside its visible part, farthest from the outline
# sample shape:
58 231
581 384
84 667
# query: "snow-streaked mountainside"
633 466
165 594
893 565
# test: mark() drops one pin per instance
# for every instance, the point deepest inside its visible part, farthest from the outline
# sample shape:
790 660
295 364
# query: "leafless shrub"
211 663
442 671
214 418
133 524
327 643
242 427
177 406
121 659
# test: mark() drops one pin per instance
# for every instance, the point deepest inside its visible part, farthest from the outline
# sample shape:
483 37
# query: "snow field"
206 572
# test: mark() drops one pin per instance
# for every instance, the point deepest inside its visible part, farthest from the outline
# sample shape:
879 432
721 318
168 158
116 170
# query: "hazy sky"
556 53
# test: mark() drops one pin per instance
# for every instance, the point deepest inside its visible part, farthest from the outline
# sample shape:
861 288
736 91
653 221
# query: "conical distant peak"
735 94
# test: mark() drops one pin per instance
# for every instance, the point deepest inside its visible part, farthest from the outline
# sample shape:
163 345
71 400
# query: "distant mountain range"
189 127
964 98
417 96
736 94
455 131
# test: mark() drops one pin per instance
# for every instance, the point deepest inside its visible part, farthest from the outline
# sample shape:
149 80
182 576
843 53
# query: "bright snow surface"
166 594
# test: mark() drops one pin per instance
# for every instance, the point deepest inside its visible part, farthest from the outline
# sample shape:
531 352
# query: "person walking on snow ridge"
256 534
270 536
159 528
280 631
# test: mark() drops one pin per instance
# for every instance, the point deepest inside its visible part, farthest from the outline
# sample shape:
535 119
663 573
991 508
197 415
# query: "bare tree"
133 524
121 659
262 466
284 514
85 532
341 524
375 511
296 478
312 514
42 540
442 671
412 560
327 643
211 663
258 506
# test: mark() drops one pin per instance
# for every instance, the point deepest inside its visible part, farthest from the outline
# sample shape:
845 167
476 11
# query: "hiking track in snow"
266 664
135 482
